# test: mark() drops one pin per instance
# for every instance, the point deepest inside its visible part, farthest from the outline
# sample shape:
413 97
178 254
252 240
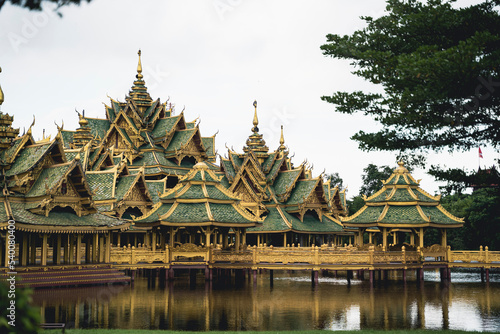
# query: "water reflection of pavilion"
395 306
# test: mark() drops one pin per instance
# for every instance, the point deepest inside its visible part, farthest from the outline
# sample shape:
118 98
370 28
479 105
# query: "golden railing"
481 256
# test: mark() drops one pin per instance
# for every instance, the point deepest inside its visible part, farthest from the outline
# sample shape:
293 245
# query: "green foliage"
27 317
482 219
438 67
37 4
335 180
372 178
355 204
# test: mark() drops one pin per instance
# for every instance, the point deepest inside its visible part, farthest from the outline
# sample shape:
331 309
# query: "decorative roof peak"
139 67
255 119
282 141
401 169
255 142
1 92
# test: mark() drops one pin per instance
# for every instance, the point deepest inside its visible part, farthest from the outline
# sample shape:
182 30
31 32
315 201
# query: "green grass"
157 331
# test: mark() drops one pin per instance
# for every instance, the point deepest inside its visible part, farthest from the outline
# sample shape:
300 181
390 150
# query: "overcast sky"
213 58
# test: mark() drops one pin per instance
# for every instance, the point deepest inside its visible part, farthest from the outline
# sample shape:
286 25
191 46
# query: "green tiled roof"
70 155
150 109
368 215
99 161
193 192
236 161
189 213
402 195
164 125
15 144
67 137
209 144
103 208
124 184
312 224
285 180
224 182
437 215
101 185
275 169
155 215
215 193
180 138
154 187
98 127
273 222
49 177
224 213
27 159
302 190
268 163
62 218
3 213
228 169
407 214
190 125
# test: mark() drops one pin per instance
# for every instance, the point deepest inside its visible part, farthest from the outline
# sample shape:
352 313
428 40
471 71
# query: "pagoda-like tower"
402 206
296 207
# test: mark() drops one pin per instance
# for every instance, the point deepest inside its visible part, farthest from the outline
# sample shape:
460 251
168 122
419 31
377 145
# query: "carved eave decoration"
71 190
136 196
25 140
314 201
104 162
193 147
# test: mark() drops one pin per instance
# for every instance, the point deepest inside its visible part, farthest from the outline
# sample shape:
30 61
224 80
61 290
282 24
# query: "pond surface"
290 303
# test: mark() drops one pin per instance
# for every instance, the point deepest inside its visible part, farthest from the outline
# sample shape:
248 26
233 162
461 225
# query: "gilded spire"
282 141
139 67
1 92
255 119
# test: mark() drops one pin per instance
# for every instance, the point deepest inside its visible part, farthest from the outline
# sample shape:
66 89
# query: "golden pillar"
153 240
384 238
57 249
443 238
71 249
412 238
107 256
102 248
284 239
421 238
32 249
78 254
237 240
66 248
95 241
44 250
24 251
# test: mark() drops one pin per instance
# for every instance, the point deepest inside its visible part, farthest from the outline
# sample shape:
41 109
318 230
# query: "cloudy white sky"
214 58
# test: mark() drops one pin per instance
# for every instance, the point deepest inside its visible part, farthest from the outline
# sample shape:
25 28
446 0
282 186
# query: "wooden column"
443 238
71 249
244 237
421 238
101 248
153 240
25 250
412 238
32 249
88 250
66 248
95 242
360 237
78 252
44 250
370 237
237 240
118 239
172 237
57 250
258 239
384 238
284 239
107 256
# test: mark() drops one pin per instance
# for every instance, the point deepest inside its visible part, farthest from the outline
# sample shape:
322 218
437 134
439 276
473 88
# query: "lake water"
290 303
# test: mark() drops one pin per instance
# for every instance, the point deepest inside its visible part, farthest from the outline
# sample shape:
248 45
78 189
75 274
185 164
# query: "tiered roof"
199 200
402 203
288 197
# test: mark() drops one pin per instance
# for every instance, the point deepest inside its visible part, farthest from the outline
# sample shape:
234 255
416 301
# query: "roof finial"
1 92
282 141
255 119
139 67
